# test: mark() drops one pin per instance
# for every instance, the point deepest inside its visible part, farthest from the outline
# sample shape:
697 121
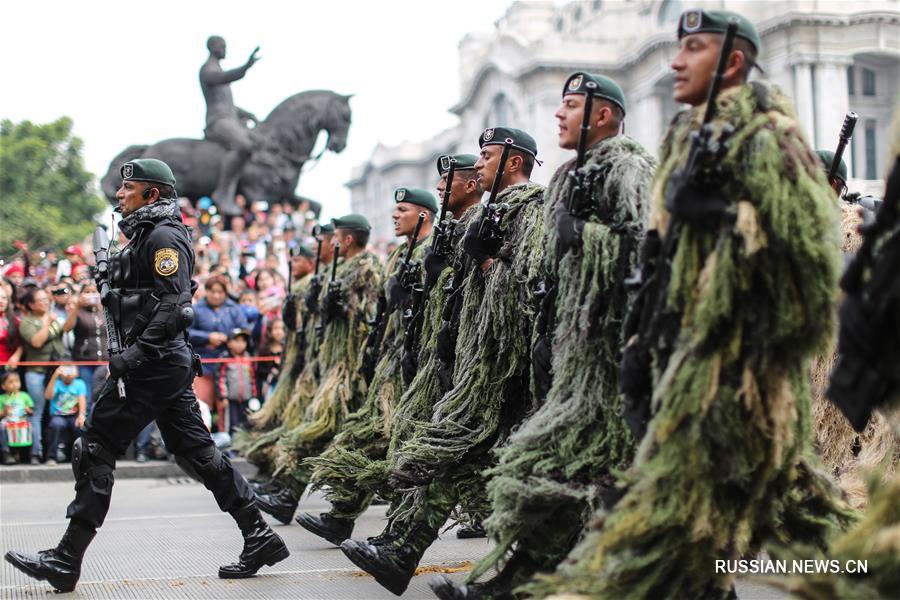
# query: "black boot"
60 566
333 529
262 546
265 487
517 570
392 564
469 532
282 505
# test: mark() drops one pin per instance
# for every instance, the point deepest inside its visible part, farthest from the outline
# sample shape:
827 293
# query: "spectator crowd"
53 344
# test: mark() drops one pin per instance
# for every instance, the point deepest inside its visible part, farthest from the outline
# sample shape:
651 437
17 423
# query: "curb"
125 469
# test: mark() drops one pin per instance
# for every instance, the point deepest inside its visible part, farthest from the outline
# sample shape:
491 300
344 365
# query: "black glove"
434 266
542 369
289 313
637 387
397 293
568 230
312 296
478 248
117 366
369 361
335 306
694 203
408 367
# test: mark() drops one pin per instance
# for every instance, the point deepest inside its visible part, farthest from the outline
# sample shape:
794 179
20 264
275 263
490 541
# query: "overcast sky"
126 72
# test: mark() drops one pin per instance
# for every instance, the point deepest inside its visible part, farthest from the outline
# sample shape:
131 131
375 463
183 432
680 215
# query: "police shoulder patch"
165 261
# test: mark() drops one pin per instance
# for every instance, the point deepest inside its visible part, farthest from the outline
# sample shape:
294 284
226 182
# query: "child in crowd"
15 405
236 383
273 345
67 394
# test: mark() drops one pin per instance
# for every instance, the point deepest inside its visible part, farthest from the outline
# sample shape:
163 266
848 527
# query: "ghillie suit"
271 415
554 469
448 452
725 464
869 334
341 388
366 433
297 392
847 454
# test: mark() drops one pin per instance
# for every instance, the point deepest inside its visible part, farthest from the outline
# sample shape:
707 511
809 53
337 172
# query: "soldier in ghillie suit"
446 454
348 305
866 381
740 295
284 410
556 467
366 433
849 454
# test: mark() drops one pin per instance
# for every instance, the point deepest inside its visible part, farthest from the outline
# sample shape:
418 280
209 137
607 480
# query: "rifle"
441 242
575 203
843 139
289 310
648 321
100 272
314 287
334 291
491 214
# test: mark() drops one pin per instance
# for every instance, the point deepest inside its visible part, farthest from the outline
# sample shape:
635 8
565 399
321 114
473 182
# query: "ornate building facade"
830 56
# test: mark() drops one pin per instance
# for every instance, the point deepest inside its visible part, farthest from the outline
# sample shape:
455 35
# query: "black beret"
147 169
416 196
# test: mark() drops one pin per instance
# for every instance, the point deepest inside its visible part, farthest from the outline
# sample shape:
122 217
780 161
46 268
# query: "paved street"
165 538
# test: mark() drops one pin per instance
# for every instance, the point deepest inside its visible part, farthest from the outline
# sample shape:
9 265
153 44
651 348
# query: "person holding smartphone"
89 326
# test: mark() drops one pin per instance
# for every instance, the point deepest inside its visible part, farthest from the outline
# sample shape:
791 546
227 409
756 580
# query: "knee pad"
92 461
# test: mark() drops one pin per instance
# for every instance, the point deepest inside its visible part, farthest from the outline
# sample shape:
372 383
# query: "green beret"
602 86
416 196
352 221
326 228
827 157
498 136
304 251
463 162
716 21
147 169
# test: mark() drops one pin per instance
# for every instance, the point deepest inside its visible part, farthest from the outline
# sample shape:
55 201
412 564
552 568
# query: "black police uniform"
152 303
152 279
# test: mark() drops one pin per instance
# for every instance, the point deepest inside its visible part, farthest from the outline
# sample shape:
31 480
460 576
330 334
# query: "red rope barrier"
93 363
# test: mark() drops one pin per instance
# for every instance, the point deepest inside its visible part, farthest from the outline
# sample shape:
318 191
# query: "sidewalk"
125 469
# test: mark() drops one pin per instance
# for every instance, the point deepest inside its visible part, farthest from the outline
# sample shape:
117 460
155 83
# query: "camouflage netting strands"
298 394
492 349
341 388
270 415
365 435
847 454
560 458
722 467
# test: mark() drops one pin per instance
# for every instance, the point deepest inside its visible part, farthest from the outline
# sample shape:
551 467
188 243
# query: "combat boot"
517 570
265 487
471 532
333 529
392 565
60 566
281 505
262 546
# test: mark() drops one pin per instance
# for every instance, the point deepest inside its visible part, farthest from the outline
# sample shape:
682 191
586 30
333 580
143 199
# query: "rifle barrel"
843 139
727 45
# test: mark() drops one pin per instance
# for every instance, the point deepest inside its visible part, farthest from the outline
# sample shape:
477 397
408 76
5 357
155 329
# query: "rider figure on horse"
226 124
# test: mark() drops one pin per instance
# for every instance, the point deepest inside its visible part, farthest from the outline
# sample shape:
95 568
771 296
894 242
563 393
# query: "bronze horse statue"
285 141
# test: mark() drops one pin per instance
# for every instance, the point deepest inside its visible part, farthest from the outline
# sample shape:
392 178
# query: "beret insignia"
692 20
400 195
165 261
575 82
128 170
488 134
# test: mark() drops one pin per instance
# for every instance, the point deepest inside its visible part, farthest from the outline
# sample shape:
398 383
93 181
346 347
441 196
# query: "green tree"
47 198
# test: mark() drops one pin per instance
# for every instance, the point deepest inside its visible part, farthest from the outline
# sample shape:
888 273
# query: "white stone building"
830 56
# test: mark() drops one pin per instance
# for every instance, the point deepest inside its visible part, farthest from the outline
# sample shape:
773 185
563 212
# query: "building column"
803 99
832 102
644 121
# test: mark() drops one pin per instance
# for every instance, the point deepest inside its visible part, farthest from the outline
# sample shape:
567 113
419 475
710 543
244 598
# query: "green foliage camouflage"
726 463
560 459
